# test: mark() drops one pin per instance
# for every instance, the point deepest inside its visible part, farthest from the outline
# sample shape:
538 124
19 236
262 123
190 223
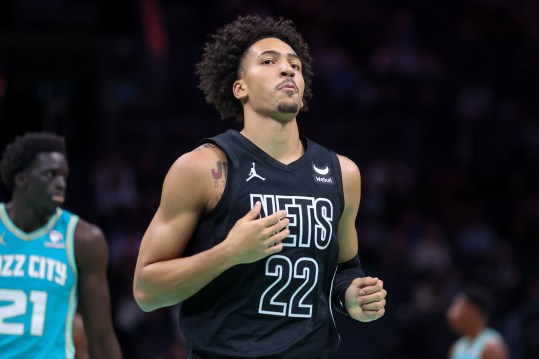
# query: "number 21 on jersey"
18 305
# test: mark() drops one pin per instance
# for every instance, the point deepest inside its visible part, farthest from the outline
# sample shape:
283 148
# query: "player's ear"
20 180
239 89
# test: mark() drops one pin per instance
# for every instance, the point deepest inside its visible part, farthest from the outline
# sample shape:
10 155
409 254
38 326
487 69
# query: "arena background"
435 100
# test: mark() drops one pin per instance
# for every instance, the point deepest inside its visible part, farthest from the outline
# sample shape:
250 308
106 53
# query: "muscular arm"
91 254
163 276
347 234
365 297
79 338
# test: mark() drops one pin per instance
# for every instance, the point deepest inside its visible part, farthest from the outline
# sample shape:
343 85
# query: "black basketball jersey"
279 306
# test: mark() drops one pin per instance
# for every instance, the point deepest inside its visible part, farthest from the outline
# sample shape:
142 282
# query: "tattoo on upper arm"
204 145
219 173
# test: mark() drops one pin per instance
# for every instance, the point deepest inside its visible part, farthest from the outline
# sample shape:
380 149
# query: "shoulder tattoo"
219 173
203 146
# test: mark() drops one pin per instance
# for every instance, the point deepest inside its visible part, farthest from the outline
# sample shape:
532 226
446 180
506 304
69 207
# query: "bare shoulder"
209 148
88 235
90 243
205 152
195 164
495 349
349 169
197 178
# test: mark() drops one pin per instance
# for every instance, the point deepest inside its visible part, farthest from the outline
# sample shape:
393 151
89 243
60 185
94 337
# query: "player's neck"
24 217
280 140
475 330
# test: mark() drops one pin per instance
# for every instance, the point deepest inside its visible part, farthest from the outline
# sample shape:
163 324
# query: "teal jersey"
473 349
38 288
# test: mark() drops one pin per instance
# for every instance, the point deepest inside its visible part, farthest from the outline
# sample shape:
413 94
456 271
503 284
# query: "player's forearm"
171 282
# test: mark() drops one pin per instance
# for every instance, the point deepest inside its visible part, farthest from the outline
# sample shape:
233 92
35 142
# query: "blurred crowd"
435 100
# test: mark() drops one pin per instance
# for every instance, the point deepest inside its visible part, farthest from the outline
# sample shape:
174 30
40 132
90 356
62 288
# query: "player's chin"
288 106
49 209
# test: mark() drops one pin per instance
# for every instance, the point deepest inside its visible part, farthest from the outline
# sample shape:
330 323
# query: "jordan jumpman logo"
253 174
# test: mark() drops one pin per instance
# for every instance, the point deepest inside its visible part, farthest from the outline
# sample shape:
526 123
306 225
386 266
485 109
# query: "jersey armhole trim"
70 244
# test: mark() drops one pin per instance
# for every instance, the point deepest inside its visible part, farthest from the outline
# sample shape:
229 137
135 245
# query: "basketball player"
468 315
255 233
50 260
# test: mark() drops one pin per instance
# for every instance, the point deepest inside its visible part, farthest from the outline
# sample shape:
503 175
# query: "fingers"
371 298
373 302
371 293
273 223
273 248
268 221
374 290
277 236
275 219
254 213
373 314
278 226
367 282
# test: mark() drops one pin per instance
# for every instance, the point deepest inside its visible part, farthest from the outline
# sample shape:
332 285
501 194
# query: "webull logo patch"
321 174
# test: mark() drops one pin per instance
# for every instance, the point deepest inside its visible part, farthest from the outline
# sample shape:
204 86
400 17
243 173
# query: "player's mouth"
58 199
287 86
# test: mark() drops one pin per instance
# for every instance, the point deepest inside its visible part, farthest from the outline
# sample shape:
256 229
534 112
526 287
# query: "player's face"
271 79
46 180
458 312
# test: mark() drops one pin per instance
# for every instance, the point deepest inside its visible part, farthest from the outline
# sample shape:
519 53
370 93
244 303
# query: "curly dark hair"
24 149
481 297
223 55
